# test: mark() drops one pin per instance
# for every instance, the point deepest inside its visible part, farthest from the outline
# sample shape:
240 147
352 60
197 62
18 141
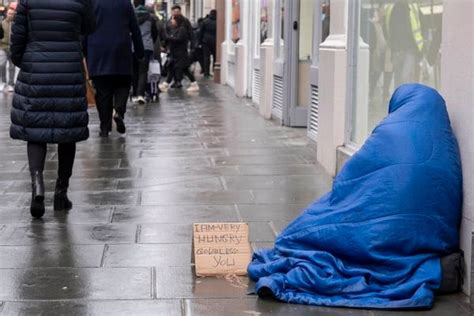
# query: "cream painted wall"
332 87
457 86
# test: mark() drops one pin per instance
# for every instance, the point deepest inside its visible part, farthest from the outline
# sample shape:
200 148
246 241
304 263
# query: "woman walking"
50 105
177 38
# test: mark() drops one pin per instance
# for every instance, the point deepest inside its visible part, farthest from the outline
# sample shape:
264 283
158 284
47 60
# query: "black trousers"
112 92
178 73
140 74
66 155
208 50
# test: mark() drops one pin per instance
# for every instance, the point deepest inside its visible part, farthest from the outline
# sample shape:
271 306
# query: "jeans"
112 92
66 156
11 70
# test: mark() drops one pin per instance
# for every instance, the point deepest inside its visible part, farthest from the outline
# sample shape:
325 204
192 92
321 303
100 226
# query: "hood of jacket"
142 13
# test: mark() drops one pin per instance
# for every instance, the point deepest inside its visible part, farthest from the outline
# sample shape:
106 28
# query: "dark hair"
176 6
179 20
213 13
138 2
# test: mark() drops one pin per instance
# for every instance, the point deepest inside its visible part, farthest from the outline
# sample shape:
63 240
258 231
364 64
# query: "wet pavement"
125 248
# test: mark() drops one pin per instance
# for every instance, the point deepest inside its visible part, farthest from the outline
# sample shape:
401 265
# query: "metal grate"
277 107
314 113
257 86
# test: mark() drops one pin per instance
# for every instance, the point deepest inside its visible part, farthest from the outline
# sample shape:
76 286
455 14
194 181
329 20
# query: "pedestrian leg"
206 51
194 86
143 76
36 160
122 87
66 156
104 99
213 53
135 76
11 75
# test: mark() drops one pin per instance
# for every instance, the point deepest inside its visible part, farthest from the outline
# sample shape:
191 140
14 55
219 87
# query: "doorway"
294 51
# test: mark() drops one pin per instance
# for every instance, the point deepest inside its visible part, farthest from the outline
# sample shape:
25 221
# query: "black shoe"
120 124
61 201
176 86
37 197
104 133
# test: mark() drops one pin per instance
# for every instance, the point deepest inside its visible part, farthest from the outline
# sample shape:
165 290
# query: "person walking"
208 41
177 38
190 43
406 40
109 59
49 104
149 31
6 62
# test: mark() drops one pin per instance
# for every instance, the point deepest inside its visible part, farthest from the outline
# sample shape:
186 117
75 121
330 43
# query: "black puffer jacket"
208 31
178 39
50 103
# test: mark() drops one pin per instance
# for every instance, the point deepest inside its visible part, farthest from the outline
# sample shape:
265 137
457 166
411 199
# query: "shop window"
236 27
281 52
264 19
399 43
306 29
305 50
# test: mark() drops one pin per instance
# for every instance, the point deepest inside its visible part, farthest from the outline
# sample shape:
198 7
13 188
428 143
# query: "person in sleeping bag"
375 240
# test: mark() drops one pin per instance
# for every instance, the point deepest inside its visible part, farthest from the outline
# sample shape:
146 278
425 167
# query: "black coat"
178 39
109 49
50 104
189 31
208 31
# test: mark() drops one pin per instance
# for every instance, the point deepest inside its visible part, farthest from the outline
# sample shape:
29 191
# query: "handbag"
90 94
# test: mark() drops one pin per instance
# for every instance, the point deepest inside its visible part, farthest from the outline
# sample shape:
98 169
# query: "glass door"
298 57
279 92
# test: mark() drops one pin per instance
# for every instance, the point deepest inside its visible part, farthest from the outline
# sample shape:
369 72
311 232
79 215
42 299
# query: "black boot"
37 198
61 201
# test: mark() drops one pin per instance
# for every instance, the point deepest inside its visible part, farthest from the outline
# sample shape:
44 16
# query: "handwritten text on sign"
221 248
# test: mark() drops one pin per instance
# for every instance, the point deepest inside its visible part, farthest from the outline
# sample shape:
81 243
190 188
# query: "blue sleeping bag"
376 239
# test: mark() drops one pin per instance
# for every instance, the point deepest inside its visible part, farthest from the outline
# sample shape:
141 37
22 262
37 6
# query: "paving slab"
43 256
109 307
175 214
75 283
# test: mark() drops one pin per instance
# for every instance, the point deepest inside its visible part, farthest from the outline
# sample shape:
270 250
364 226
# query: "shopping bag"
154 68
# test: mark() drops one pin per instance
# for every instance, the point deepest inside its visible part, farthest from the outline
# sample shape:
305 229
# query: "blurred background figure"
207 40
7 68
326 21
405 39
174 42
149 32
177 38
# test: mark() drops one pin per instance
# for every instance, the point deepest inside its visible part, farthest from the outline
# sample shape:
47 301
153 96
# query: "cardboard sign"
221 248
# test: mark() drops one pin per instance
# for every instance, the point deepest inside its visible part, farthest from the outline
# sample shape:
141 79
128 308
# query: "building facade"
330 66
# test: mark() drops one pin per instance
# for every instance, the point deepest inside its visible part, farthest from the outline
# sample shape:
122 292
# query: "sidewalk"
125 248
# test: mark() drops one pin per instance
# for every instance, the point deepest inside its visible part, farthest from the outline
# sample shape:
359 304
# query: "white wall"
457 85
